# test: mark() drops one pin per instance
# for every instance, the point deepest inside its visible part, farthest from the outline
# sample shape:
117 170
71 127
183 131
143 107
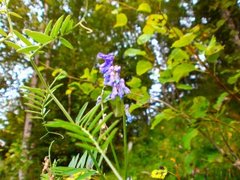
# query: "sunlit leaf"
213 47
182 70
65 24
2 32
69 91
98 7
144 7
143 66
134 52
15 14
38 36
140 95
22 38
184 87
142 39
148 29
134 82
28 49
86 88
166 76
66 43
159 173
13 45
184 40
121 20
48 27
56 27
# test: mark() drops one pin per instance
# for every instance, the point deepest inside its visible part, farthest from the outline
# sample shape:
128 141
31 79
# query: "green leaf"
166 76
68 171
199 107
38 36
66 43
182 70
220 100
134 82
65 24
143 66
22 38
15 15
86 88
213 47
2 32
48 27
176 57
184 87
56 27
134 106
233 79
28 49
109 129
184 40
166 114
109 138
121 20
13 45
142 39
144 7
86 146
69 26
200 46
213 58
65 125
80 113
100 125
220 23
187 138
140 95
134 52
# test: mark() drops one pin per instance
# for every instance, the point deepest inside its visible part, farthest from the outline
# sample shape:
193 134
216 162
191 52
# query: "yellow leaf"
98 7
148 29
69 91
121 20
144 7
159 173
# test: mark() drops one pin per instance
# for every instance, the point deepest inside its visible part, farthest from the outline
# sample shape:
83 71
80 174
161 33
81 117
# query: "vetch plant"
92 130
111 76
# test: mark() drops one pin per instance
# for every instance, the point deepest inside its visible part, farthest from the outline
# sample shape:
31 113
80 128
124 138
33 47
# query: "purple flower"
108 61
111 76
119 89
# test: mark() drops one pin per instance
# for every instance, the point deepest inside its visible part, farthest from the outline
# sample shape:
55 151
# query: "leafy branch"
87 129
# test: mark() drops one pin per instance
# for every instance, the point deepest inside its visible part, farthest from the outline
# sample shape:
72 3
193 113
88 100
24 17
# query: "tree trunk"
27 130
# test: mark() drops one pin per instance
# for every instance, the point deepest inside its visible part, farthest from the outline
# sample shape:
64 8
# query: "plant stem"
115 155
102 152
125 146
49 91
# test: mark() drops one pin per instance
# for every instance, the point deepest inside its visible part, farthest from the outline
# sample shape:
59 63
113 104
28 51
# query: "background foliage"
181 61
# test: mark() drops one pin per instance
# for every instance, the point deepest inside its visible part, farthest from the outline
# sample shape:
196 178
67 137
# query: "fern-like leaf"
90 129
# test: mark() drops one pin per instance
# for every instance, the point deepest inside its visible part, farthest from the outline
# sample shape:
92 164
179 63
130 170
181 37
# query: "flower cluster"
111 74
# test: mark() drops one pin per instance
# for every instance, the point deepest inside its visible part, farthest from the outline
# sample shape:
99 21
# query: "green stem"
102 152
49 91
125 147
49 150
115 156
